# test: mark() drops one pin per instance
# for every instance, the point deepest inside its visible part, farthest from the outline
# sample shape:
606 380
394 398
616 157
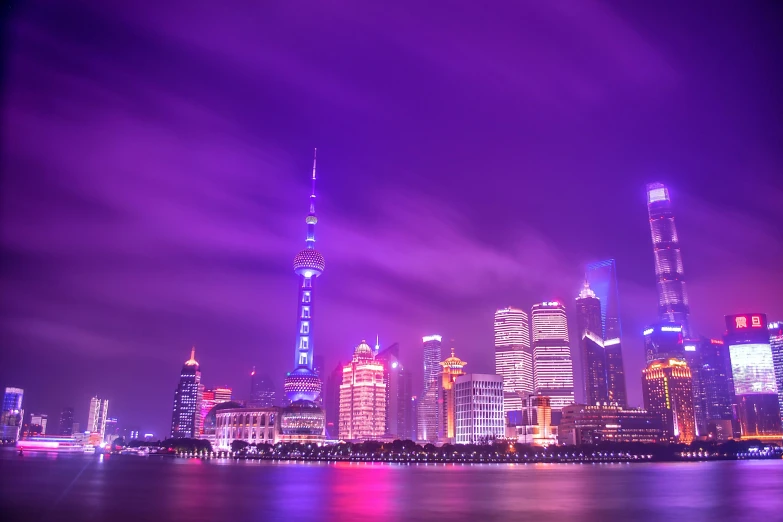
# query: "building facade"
593 424
362 397
428 411
513 356
97 415
253 425
533 423
187 400
479 408
452 368
553 374
668 392
718 386
664 341
602 278
672 297
776 345
753 374
66 421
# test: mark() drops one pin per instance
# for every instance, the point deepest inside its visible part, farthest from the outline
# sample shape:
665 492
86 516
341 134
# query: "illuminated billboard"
753 370
746 323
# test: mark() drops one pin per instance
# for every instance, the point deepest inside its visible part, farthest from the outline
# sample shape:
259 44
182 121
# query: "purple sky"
155 165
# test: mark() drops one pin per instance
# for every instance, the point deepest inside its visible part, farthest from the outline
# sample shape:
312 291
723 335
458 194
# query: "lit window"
306 297
305 327
305 312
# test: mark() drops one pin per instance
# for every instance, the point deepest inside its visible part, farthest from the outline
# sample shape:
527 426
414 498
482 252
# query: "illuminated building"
251 425
513 357
668 393
304 419
37 425
66 421
12 414
615 372
205 404
553 373
479 408
209 430
692 353
672 296
452 368
593 424
776 344
753 373
112 431
223 394
262 391
184 421
428 411
96 416
663 341
591 346
362 397
533 423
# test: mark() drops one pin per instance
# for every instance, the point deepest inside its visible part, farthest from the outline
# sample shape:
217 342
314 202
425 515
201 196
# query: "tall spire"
312 192
311 219
192 361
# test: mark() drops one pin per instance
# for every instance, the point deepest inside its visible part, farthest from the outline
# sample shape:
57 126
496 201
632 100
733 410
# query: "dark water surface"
119 488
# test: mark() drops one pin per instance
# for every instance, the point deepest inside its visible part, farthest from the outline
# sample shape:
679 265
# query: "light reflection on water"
117 488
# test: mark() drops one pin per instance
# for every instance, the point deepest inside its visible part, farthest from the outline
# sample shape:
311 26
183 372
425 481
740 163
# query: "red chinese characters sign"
745 322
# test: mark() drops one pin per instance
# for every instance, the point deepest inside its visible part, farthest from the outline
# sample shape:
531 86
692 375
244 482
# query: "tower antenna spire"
312 192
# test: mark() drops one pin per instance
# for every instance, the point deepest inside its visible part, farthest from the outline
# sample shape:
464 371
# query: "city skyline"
143 217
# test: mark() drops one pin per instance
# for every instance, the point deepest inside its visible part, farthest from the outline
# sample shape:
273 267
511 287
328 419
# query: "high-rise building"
262 391
390 358
533 425
406 414
97 415
304 420
663 341
776 344
753 372
112 430
479 408
38 423
428 411
513 356
206 403
362 397
184 418
672 296
591 346
553 373
693 352
66 421
668 392
602 278
332 400
718 388
452 368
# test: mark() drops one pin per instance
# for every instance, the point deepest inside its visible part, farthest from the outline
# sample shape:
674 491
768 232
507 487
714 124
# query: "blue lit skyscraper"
672 297
602 277
303 383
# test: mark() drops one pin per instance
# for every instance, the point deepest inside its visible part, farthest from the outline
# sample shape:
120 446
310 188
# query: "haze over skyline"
156 160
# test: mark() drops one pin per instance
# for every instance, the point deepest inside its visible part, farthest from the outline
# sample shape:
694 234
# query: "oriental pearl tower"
303 384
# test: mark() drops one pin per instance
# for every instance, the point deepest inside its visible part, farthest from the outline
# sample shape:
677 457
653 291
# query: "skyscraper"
97 415
667 389
362 397
428 414
753 372
262 391
66 421
718 388
390 358
553 369
672 296
602 278
776 344
663 341
332 400
513 357
12 414
694 349
303 383
187 401
591 346
452 368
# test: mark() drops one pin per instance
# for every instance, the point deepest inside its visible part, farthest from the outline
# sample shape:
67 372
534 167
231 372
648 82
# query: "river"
119 488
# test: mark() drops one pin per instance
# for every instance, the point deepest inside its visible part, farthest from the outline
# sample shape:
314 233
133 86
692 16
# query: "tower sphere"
309 263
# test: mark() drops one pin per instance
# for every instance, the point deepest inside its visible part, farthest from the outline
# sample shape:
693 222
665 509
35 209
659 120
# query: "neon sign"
648 331
429 338
746 321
